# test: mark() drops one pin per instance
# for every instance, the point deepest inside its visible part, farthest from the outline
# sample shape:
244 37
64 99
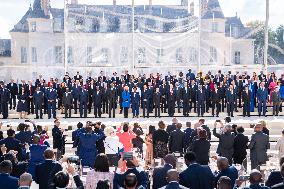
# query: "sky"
11 11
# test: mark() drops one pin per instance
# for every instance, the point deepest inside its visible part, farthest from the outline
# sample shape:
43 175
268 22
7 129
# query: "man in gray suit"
258 147
226 142
67 101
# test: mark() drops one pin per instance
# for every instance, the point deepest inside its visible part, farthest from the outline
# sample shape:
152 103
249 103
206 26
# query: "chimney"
191 9
150 2
75 2
114 2
45 5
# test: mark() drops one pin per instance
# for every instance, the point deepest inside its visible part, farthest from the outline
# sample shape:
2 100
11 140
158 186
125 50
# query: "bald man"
173 179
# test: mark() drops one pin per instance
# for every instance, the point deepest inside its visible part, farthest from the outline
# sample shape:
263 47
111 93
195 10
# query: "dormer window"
33 26
215 27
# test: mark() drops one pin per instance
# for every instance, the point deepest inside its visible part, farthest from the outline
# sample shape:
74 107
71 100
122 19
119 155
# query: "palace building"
139 38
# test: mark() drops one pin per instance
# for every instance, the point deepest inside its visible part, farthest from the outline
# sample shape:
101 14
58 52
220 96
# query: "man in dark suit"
91 89
196 176
157 102
186 96
255 179
30 91
24 135
246 95
176 140
171 101
201 98
75 93
215 102
135 102
280 185
13 87
38 99
78 77
226 142
275 177
258 147
4 100
83 100
44 172
226 170
51 96
58 139
7 181
222 92
11 143
160 173
262 96
173 126
67 101
97 97
145 101
112 100
230 97
193 92
173 178
164 91
133 168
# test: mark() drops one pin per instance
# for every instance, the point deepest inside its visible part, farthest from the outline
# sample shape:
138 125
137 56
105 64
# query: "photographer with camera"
133 166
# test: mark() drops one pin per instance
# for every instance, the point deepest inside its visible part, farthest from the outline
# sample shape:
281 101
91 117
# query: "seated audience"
25 181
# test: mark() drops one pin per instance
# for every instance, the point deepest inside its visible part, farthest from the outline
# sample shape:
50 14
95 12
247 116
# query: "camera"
128 156
244 177
74 159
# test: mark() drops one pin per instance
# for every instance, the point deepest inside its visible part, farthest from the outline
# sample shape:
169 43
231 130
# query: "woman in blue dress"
22 107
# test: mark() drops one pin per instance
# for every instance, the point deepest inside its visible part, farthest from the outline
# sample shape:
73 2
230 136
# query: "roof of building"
37 11
213 10
5 47
235 20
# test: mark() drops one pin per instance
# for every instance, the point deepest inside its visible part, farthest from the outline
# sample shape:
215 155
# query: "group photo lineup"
141 94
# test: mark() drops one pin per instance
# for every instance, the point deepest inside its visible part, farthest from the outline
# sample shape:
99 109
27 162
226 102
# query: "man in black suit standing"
44 172
97 97
112 100
246 94
230 96
58 139
38 98
13 87
4 100
176 140
67 101
201 98
186 96
157 102
31 90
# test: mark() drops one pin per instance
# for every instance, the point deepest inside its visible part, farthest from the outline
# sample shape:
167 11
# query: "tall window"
237 57
192 55
24 55
33 26
213 54
89 55
34 54
214 27
160 54
105 53
179 55
124 55
58 54
70 58
141 55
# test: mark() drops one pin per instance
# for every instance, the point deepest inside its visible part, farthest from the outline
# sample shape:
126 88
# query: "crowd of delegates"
26 157
153 95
